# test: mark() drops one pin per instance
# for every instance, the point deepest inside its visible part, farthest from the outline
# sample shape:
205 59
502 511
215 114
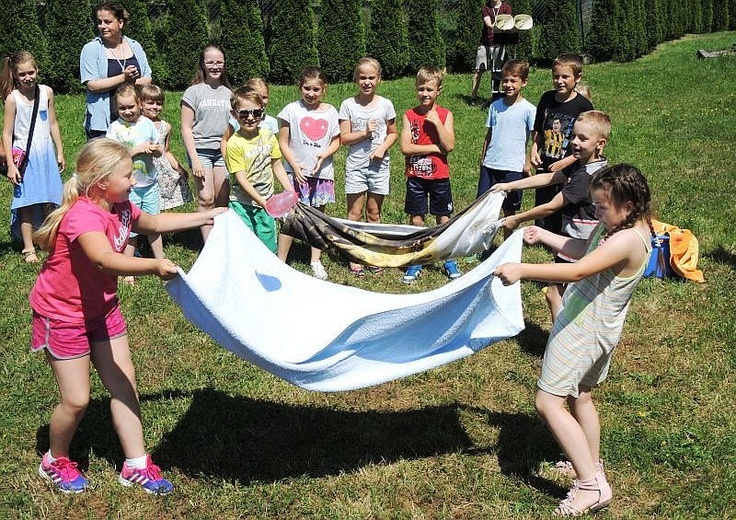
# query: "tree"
186 36
140 28
20 31
426 47
462 43
524 49
720 15
242 40
292 46
560 32
388 37
66 32
340 38
653 23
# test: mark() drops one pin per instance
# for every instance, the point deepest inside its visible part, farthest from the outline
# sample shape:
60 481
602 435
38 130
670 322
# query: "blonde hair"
584 90
427 74
245 93
150 92
257 83
598 120
373 62
97 160
573 61
127 89
10 64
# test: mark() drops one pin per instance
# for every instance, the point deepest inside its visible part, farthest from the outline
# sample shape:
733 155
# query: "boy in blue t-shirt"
510 123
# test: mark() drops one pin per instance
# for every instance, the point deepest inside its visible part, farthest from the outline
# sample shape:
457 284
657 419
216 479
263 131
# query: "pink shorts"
66 340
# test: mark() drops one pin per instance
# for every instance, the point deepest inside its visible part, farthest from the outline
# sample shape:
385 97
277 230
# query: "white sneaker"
318 271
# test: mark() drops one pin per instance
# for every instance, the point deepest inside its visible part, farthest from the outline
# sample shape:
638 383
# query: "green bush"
560 32
186 35
340 38
524 49
387 37
140 28
426 48
707 16
292 45
720 15
654 23
242 40
66 32
602 39
20 31
461 42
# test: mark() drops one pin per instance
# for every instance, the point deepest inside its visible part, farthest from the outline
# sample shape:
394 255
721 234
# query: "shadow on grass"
238 438
532 339
721 255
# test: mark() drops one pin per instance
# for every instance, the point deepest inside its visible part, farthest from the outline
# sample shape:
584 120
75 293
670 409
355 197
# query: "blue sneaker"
63 473
149 478
412 273
451 271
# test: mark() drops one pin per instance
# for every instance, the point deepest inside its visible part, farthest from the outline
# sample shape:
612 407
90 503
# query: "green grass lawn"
461 441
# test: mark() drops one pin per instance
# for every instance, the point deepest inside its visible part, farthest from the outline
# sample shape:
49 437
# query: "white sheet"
328 337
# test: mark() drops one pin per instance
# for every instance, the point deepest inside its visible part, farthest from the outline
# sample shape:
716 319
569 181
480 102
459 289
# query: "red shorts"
66 340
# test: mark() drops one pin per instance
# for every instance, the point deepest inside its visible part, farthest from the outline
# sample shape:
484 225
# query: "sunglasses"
255 113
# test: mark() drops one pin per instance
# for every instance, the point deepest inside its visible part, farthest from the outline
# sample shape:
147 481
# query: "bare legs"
25 215
372 202
577 432
212 191
115 368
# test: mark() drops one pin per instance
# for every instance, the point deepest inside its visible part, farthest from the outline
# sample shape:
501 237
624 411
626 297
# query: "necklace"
121 63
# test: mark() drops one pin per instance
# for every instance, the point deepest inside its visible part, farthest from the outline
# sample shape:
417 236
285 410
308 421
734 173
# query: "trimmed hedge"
559 33
20 31
426 47
187 35
66 32
292 46
340 38
242 40
387 37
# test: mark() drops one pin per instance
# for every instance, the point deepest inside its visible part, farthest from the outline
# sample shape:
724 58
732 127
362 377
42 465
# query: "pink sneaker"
63 473
149 478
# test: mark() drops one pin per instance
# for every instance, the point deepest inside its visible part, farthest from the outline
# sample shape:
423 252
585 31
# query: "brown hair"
10 64
117 10
202 70
312 73
625 183
518 68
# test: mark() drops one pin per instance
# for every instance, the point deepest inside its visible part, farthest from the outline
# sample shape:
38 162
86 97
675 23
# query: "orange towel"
683 251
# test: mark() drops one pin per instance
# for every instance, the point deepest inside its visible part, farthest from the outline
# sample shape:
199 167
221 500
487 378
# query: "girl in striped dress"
585 333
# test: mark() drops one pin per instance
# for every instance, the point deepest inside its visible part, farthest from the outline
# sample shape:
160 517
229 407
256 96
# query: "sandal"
29 255
375 270
358 271
597 483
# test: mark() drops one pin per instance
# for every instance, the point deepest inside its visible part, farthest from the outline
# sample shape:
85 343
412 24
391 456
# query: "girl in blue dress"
38 187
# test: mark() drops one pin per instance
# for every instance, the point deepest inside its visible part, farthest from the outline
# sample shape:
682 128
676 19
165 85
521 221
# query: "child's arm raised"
348 136
409 148
556 204
169 222
562 163
622 252
391 137
536 181
445 131
97 247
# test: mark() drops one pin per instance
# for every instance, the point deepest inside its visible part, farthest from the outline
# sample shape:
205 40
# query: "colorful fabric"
391 245
683 250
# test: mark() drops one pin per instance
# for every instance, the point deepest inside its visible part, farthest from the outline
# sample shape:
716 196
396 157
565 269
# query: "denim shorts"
210 158
66 340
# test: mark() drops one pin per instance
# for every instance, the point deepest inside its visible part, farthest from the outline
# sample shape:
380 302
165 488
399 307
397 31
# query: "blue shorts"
210 158
489 177
148 199
438 191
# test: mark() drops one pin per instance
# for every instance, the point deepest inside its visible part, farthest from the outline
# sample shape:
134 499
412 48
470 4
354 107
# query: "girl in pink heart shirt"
309 134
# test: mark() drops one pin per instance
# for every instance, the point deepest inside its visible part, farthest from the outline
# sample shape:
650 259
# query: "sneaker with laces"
450 269
63 473
318 271
149 478
412 273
